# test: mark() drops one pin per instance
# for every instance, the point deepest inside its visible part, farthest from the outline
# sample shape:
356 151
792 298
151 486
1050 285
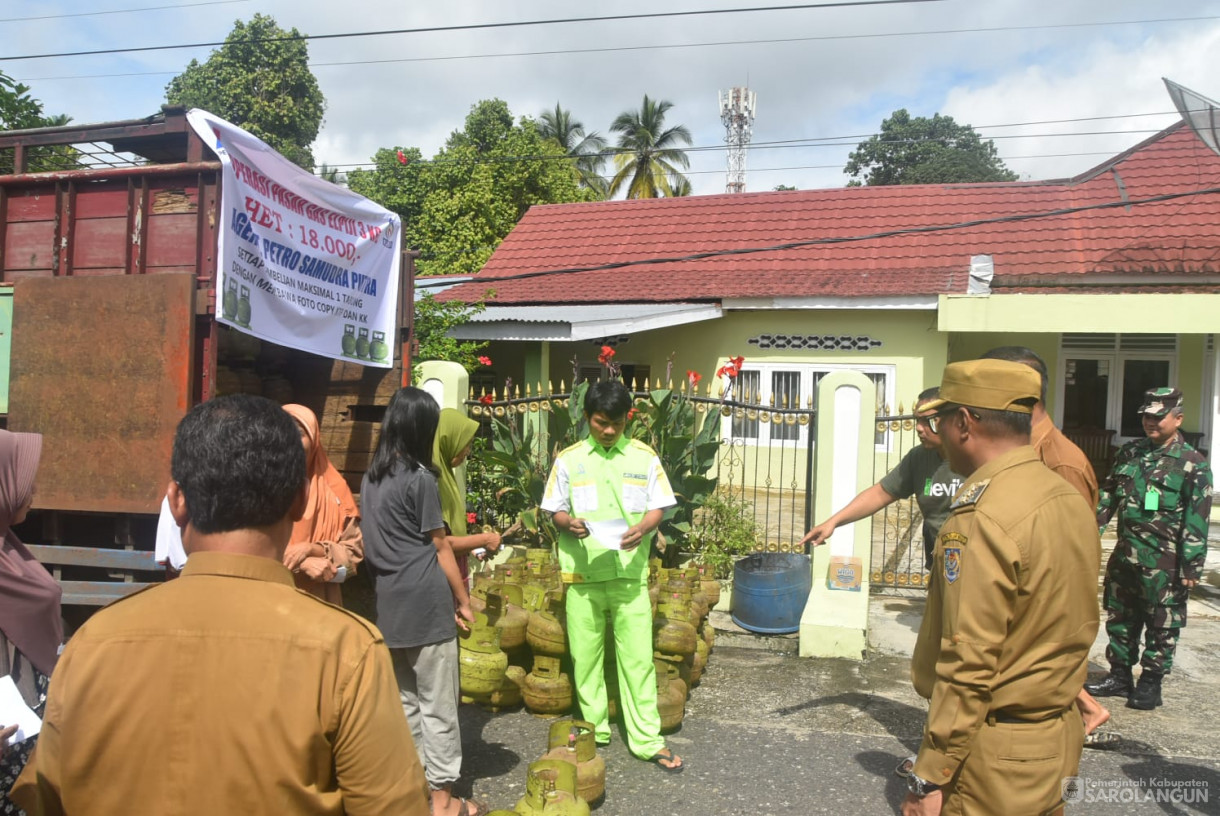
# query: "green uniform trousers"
624 602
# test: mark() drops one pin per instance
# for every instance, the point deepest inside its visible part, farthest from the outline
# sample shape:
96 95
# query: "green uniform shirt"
597 485
1163 497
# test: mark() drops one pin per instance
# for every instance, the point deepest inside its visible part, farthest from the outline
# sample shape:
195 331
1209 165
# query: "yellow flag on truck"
302 262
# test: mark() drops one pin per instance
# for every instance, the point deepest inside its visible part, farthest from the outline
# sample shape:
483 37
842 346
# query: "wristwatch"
920 787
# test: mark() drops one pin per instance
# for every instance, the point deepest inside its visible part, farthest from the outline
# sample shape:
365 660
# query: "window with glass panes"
786 385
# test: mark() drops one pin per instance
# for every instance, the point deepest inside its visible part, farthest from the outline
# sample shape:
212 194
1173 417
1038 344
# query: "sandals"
668 756
904 768
476 808
1101 739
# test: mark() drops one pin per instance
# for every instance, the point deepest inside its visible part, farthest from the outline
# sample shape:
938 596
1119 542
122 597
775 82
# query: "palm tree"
650 162
586 149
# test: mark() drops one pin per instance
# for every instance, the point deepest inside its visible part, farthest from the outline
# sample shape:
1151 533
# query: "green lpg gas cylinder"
573 742
349 340
378 347
550 790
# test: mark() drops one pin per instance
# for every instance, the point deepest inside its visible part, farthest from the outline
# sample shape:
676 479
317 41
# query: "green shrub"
724 530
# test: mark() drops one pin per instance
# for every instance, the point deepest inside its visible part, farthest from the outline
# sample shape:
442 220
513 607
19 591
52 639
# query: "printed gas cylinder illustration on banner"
349 340
243 308
229 305
378 348
362 344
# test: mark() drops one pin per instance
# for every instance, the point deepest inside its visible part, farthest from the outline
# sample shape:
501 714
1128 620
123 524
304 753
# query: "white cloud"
806 89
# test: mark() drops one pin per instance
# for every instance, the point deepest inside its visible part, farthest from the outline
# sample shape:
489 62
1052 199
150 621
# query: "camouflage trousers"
1144 601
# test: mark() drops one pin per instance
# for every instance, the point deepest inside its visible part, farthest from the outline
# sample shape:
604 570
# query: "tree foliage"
259 80
585 148
21 111
458 207
920 150
434 319
651 163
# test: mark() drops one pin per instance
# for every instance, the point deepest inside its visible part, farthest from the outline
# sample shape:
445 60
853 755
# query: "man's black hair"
239 463
1023 355
407 433
927 394
609 397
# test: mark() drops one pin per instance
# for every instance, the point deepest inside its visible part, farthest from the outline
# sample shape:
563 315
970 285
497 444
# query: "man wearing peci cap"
1161 489
1011 613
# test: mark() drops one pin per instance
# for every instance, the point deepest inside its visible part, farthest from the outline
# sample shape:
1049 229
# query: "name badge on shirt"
1152 500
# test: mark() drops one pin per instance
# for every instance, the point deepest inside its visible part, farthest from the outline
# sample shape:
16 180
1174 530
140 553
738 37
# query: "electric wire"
609 49
119 11
845 239
480 26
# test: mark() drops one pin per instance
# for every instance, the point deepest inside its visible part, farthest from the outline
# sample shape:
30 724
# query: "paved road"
769 733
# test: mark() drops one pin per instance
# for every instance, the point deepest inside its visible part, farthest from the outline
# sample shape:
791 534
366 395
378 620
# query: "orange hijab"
330 503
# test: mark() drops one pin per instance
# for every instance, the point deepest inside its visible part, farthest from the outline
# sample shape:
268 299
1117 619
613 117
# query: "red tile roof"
1180 235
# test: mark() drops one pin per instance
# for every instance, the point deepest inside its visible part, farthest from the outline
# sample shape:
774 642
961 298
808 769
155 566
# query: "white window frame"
1114 396
807 371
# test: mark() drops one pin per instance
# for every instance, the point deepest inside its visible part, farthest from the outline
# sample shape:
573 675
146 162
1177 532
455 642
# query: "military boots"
1117 683
1147 694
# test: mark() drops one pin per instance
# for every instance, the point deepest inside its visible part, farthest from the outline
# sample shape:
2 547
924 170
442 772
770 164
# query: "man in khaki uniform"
227 690
1011 613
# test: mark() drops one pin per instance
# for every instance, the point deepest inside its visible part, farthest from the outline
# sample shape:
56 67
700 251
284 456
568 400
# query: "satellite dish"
1199 112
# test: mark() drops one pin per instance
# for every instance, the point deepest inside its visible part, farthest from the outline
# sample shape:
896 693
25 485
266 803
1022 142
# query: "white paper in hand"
14 711
608 533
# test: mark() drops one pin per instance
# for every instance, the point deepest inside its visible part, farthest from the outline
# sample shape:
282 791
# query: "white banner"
302 262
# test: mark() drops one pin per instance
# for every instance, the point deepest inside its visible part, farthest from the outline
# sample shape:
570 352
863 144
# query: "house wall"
1189 369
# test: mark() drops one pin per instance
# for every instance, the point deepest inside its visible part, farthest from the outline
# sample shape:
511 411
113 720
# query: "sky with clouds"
825 77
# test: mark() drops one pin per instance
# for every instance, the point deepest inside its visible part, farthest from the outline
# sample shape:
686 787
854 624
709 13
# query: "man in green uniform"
1012 609
607 495
1161 489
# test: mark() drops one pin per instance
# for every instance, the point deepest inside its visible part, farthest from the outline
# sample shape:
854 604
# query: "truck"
108 336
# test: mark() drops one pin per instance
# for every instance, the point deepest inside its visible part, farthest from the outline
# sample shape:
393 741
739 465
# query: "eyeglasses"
932 421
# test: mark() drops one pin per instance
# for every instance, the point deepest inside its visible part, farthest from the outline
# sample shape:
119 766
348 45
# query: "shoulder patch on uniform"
970 494
635 443
571 447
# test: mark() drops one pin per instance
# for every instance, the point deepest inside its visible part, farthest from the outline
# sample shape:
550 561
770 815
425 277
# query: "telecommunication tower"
737 109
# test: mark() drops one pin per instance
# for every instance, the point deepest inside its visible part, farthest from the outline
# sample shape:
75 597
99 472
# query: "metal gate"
897 541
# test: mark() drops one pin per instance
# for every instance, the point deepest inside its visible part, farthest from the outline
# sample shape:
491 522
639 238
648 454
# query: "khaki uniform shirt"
1065 457
225 691
1012 609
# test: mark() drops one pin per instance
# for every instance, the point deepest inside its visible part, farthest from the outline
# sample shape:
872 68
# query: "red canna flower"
486 399
606 356
631 414
485 360
471 518
402 157
693 377
732 368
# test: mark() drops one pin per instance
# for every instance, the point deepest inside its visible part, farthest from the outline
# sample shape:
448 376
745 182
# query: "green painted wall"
909 341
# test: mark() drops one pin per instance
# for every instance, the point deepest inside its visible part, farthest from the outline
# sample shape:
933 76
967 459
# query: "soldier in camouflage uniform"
1161 489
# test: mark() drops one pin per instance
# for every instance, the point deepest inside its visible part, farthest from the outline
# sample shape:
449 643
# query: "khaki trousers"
1017 768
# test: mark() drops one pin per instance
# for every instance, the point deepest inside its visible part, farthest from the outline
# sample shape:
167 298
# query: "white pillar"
835 621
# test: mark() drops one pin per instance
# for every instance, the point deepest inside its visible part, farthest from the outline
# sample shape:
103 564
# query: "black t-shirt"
398 515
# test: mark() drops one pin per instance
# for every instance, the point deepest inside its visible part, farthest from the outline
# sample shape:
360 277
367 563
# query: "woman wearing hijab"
326 544
454 436
31 628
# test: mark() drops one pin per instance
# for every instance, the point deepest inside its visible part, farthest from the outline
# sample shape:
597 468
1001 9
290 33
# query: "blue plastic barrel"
770 590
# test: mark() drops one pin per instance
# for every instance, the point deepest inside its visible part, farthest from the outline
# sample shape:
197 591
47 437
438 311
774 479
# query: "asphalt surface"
768 732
